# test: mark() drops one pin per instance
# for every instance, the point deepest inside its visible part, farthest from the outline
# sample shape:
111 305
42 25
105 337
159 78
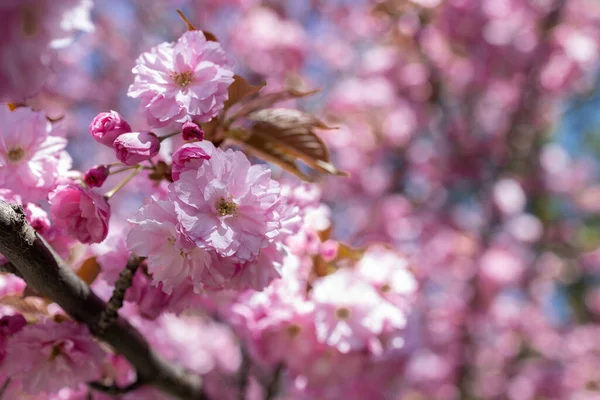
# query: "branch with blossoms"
215 224
50 276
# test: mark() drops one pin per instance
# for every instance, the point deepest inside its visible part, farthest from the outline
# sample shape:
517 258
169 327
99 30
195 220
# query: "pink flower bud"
192 131
80 212
135 147
190 156
96 176
107 126
329 250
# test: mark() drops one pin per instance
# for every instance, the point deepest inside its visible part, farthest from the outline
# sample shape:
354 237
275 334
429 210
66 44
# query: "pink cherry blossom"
229 205
171 257
31 158
9 325
30 31
48 356
181 81
81 213
349 313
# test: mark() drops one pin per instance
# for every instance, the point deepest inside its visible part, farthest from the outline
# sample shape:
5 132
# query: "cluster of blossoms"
459 258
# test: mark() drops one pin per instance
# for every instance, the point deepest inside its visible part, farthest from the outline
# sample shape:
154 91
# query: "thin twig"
109 315
4 386
273 386
244 374
129 177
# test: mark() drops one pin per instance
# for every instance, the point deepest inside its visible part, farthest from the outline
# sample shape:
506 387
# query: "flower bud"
96 176
190 156
80 212
135 147
192 131
107 126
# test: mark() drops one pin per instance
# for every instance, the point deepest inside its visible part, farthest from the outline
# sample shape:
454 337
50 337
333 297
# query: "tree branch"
50 276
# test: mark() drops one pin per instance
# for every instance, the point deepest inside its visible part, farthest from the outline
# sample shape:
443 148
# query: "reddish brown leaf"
325 234
209 36
291 133
346 252
14 106
287 118
272 153
89 270
240 89
185 19
268 100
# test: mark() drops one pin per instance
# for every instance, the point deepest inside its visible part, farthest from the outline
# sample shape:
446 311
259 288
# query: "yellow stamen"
182 79
16 154
225 207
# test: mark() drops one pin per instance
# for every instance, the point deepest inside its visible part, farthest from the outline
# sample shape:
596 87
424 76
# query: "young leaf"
268 100
240 89
291 132
209 36
89 270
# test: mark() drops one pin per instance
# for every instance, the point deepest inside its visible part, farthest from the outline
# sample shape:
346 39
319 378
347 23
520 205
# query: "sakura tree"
297 200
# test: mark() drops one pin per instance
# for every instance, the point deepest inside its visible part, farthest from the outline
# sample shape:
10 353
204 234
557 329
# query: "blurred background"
470 130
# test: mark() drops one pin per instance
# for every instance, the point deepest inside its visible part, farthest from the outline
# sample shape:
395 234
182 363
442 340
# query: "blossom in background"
45 357
31 157
171 257
182 81
229 205
350 313
81 213
30 31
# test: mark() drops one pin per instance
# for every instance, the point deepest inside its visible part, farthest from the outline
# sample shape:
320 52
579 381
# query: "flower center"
226 207
182 79
57 350
16 154
294 330
342 313
30 21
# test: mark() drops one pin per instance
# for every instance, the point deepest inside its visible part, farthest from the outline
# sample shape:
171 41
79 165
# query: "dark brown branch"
115 390
9 268
46 273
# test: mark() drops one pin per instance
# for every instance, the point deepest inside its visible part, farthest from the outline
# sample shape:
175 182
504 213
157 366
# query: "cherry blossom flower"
229 205
171 257
82 213
31 157
48 356
181 81
349 313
